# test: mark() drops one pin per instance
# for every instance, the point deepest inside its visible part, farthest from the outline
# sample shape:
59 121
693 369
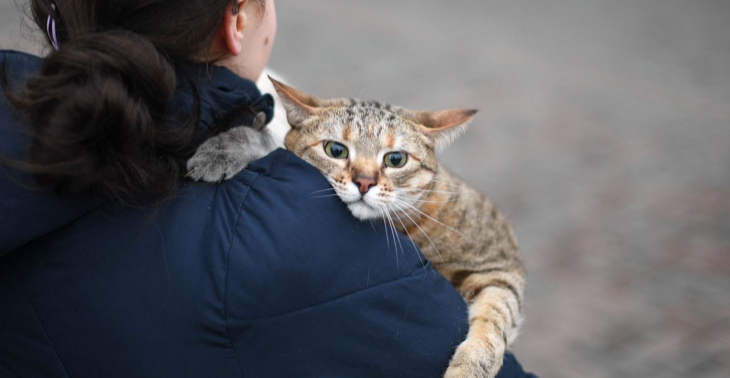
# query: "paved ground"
604 135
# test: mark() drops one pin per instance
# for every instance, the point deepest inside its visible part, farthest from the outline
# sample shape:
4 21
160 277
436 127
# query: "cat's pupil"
337 150
396 158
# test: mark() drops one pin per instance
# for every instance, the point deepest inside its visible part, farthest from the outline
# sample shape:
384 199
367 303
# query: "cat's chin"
363 211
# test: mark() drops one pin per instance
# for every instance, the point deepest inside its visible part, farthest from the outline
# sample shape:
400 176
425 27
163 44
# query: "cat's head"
379 158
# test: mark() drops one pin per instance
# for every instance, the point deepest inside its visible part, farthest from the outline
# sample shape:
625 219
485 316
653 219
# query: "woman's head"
99 105
247 37
239 33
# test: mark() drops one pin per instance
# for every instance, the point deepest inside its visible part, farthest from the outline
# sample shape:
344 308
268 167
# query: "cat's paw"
474 359
225 155
215 166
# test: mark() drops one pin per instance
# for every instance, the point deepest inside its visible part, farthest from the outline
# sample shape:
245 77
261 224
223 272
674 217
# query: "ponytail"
98 108
99 115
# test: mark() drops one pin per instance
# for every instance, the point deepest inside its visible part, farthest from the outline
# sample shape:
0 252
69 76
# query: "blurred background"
604 135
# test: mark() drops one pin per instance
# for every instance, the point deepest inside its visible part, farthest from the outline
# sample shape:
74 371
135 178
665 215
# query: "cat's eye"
396 159
336 150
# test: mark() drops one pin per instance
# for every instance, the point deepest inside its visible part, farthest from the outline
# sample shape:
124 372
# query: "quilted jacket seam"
228 265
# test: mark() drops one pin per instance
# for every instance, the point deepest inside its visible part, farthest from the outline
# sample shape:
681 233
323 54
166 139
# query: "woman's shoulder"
14 56
295 241
293 238
308 281
25 214
18 64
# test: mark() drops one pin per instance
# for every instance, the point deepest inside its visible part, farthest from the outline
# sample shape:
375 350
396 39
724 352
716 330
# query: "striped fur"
463 234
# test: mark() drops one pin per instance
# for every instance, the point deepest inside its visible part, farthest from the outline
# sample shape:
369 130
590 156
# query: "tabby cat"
380 160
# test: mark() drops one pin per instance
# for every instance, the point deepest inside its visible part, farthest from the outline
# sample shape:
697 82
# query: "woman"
112 266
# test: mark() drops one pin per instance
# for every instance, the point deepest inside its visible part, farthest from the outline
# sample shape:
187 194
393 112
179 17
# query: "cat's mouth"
362 210
359 202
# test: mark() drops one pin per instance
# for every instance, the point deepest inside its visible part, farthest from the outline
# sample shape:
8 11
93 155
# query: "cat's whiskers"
372 224
326 196
335 187
323 190
424 191
409 235
392 226
415 195
427 216
389 220
422 231
382 211
446 183
425 201
411 199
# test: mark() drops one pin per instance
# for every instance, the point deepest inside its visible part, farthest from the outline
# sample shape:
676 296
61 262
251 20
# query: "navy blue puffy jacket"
251 278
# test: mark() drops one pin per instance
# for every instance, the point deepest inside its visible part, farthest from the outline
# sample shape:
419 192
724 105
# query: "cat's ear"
299 105
445 126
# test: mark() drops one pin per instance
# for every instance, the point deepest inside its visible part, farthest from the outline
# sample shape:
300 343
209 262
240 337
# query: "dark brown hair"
98 108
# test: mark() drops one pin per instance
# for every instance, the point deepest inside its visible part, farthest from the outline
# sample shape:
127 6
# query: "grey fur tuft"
225 155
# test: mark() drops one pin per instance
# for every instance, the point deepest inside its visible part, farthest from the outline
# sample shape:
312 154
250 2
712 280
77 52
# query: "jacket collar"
220 91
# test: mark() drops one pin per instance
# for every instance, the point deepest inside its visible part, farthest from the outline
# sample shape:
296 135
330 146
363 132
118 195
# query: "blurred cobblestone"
604 134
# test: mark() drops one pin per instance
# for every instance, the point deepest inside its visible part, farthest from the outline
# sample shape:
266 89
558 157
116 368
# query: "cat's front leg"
495 306
224 155
480 355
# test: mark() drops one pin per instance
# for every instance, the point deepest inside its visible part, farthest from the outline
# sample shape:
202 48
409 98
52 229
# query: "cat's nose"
364 183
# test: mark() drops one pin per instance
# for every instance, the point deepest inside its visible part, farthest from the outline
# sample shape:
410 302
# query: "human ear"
234 22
